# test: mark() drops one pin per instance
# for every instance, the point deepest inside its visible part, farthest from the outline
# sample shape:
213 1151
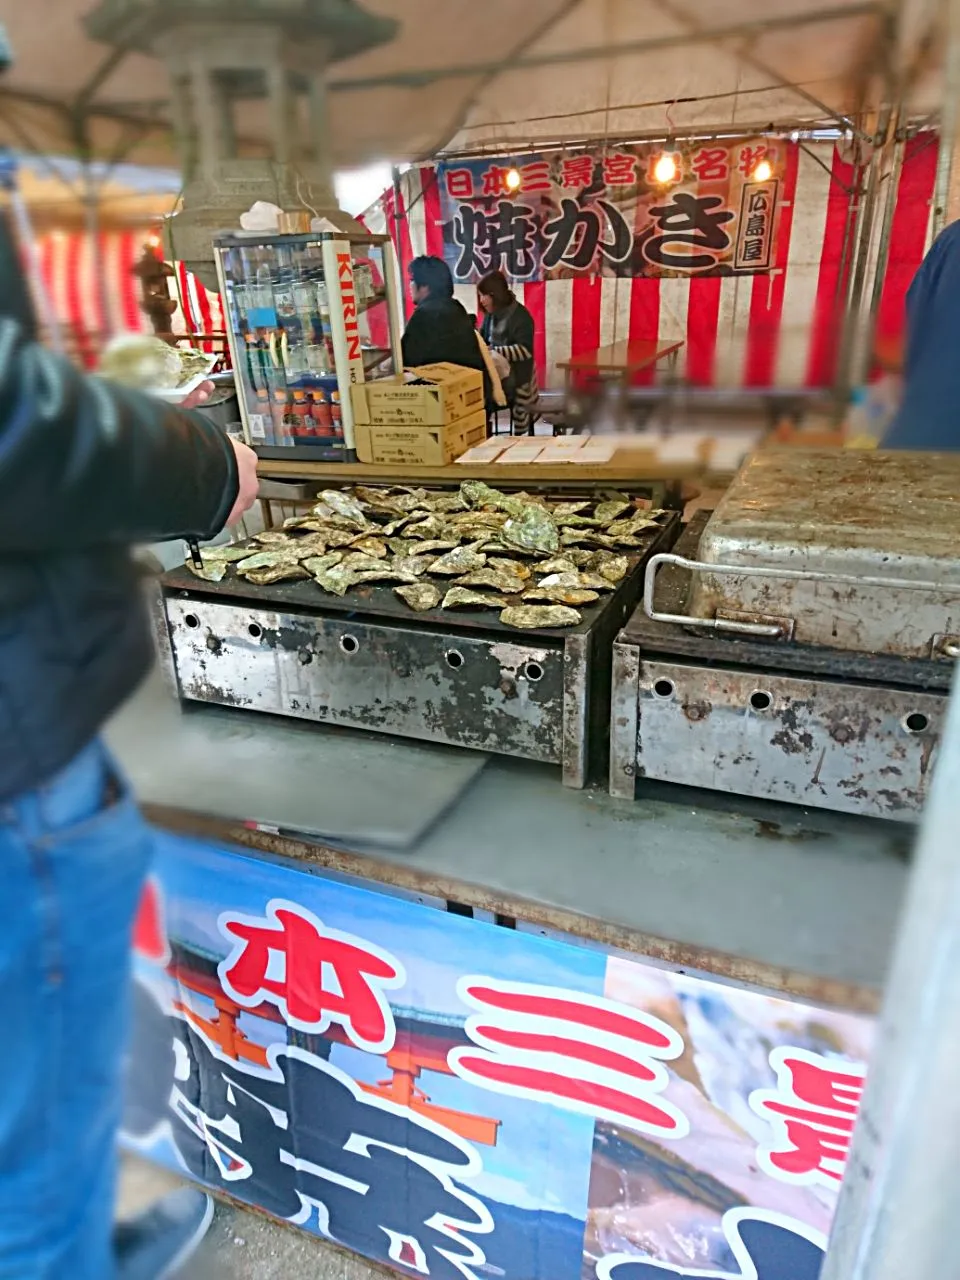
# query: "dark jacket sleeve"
84 462
417 340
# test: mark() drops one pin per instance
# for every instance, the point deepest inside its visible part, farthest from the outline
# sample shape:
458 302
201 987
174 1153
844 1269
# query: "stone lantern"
240 68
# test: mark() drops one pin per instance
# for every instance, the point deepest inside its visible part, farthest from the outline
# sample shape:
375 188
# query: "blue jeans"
73 855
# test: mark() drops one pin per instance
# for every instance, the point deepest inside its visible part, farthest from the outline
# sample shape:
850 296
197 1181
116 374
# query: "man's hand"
198 396
247 471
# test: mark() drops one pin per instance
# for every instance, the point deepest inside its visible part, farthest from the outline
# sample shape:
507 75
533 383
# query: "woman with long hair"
508 329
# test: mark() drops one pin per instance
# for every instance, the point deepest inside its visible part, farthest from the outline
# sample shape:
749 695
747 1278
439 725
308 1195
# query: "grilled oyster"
533 530
580 522
412 500
212 571
464 598
563 509
460 560
509 566
431 527
342 504
420 596
272 537
336 580
266 560
445 503
629 528
558 564
385 571
607 512
371 546
561 595
225 553
612 568
509 584
421 547
527 617
359 562
320 564
579 581
287 569
477 494
416 566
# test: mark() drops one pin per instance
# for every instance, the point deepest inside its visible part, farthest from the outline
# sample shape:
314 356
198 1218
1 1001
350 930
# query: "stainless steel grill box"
369 662
799 643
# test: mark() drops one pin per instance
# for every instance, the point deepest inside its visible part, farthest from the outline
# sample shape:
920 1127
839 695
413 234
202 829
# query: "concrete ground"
243 1246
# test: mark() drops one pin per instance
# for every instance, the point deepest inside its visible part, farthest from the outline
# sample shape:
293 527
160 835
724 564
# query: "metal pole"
892 179
900 1200
949 122
851 317
398 218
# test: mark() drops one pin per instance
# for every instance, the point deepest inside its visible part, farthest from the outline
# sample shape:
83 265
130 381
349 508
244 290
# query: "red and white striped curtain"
774 330
92 313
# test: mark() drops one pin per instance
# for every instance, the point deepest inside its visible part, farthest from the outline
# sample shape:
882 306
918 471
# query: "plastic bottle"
278 413
261 424
336 413
320 413
300 414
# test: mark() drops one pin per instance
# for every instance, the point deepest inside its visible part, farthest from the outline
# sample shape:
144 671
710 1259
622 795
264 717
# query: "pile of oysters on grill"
536 560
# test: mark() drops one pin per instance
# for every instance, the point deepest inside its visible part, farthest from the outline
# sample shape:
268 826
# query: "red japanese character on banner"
459 184
750 157
813 1111
578 171
314 975
619 170
578 1052
149 928
495 181
535 177
711 164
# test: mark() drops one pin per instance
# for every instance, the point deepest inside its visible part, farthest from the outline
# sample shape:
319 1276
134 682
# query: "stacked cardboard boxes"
428 416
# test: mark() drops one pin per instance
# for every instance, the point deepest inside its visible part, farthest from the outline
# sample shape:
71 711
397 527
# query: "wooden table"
624 359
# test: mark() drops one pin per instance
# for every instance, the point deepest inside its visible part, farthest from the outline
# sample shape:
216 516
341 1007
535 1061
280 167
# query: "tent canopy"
464 76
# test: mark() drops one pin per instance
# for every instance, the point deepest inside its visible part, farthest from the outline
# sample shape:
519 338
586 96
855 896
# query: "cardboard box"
419 445
427 396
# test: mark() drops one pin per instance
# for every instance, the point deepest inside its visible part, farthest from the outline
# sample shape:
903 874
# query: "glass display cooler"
307 317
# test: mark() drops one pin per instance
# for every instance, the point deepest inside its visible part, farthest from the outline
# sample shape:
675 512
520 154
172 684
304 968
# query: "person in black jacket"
86 470
439 330
508 329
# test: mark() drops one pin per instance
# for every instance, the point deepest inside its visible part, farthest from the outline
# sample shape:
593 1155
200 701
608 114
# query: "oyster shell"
528 617
304 522
607 512
477 494
580 522
224 554
412 500
272 537
342 504
509 584
426 547
579 581
561 595
533 530
563 509
212 571
320 564
448 502
287 569
431 527
620 529
612 568
266 560
420 596
558 564
416 566
464 598
384 572
371 546
510 566
359 562
337 580
460 560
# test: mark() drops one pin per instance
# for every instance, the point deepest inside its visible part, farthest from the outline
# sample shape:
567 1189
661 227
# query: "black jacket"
86 469
441 331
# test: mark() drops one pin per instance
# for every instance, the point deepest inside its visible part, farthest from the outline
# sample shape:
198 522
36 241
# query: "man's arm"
415 335
85 462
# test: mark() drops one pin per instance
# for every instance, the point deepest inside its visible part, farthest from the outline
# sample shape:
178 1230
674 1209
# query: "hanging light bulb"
665 170
513 179
763 172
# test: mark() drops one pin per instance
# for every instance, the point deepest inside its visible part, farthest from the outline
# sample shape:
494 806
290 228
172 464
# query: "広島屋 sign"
610 212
